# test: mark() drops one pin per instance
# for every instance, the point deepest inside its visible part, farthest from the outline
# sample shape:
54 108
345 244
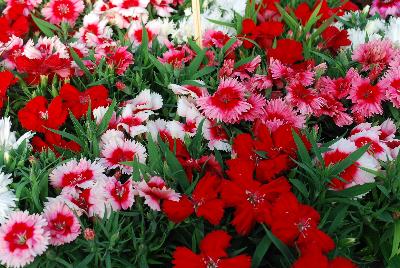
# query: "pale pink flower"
62 224
154 191
57 11
305 99
278 112
116 152
391 84
367 98
119 195
227 104
257 102
374 55
22 238
385 8
258 83
335 109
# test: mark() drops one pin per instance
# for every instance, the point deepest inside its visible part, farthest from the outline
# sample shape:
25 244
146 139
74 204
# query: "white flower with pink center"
116 152
193 91
216 136
22 238
135 32
146 100
62 223
111 135
89 201
73 173
352 175
377 149
57 11
133 123
154 191
119 195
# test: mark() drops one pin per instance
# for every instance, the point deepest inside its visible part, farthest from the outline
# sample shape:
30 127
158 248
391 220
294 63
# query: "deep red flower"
251 199
18 27
204 202
263 34
78 102
270 153
52 141
291 220
335 39
37 115
303 13
310 259
212 254
249 32
282 48
6 80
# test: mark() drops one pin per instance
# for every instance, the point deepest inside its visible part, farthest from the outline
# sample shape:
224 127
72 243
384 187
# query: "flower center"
44 115
254 198
20 238
84 99
210 263
304 225
63 9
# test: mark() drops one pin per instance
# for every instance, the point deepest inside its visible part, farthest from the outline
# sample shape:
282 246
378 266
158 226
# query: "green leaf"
195 145
302 150
260 251
223 23
178 173
396 240
80 63
195 63
355 190
338 218
102 127
67 135
289 20
300 186
348 161
287 254
45 27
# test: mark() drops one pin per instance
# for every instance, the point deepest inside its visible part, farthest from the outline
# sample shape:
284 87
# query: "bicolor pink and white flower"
89 201
135 32
385 8
278 112
83 173
57 11
62 224
352 175
118 151
119 195
227 104
22 238
305 99
216 136
154 191
146 100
